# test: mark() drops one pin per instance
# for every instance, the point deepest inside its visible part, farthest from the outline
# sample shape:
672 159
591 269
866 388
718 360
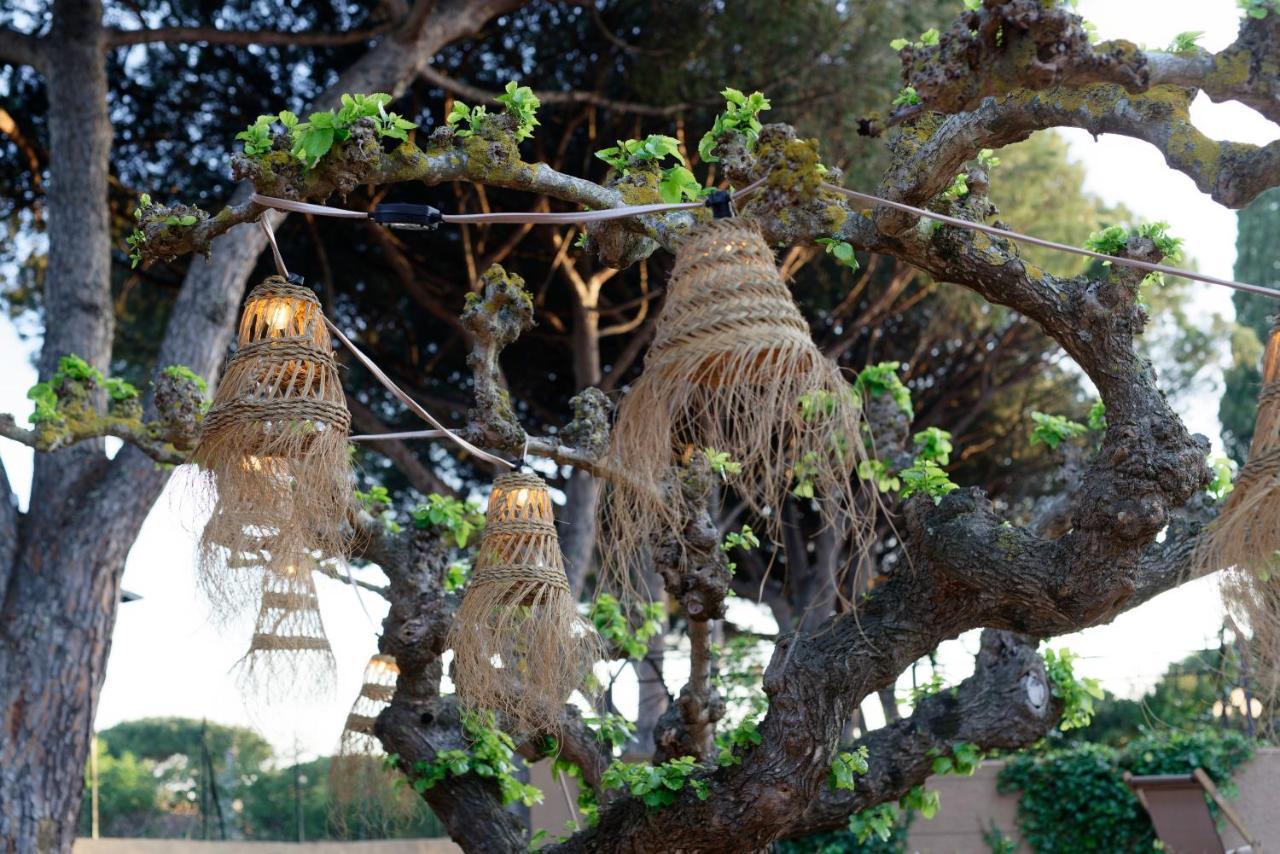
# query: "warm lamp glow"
278 316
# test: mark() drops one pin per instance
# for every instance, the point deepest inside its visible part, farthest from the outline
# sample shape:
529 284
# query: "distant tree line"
191 779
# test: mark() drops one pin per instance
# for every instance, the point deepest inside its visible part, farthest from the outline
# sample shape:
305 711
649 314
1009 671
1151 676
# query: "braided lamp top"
277 308
283 371
727 309
1271 358
519 503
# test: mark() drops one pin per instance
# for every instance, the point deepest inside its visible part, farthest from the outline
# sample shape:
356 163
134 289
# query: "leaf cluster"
656 785
313 139
488 754
1053 430
841 250
610 619
459 519
1077 694
929 38
74 374
741 115
882 378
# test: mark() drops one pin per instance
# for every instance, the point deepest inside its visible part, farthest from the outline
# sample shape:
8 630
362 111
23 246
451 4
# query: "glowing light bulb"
522 497
278 316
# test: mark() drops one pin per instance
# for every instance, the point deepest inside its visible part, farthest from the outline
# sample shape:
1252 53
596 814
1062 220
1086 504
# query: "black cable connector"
721 204
407 216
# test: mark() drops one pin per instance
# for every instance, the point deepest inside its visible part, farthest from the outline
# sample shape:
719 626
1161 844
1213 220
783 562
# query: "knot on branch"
890 430
166 231
618 244
1009 698
495 314
179 401
588 432
676 732
792 206
1153 466
694 569
499 310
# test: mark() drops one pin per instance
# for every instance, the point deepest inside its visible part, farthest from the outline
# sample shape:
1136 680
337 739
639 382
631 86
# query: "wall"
184 846
971 804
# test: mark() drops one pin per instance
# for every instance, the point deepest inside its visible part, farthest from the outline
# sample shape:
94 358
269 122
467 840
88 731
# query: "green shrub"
1075 799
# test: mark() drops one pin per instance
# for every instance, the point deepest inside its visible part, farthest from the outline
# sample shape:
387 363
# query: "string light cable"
867 198
379 374
426 217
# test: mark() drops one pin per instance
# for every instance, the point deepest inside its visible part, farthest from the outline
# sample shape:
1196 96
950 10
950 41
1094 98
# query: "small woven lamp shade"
274 443
289 653
380 676
520 646
366 801
729 367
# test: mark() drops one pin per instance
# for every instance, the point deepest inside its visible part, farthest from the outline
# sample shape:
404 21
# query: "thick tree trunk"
63 579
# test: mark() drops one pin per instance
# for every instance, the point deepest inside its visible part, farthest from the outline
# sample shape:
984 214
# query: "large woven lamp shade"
1244 541
732 368
1246 534
520 646
273 447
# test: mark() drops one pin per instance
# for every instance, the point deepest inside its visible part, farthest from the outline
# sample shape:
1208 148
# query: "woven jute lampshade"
730 368
366 800
1244 541
273 447
380 676
520 646
289 653
1246 533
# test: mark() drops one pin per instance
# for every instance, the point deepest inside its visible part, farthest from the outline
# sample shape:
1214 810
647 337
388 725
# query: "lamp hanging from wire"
366 801
520 646
289 653
273 447
1244 541
733 369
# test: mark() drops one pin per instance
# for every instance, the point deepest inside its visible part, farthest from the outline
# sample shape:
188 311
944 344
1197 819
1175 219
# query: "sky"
169 658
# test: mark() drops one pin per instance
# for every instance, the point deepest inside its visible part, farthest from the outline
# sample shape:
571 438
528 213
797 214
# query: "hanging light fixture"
273 446
733 368
289 653
1246 534
1244 541
366 801
520 646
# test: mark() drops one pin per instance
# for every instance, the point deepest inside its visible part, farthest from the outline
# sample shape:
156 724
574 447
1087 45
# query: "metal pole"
93 787
297 788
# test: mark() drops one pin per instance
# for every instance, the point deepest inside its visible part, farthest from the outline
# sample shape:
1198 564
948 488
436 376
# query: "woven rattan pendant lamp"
520 646
368 802
1246 534
731 367
1244 541
273 447
289 653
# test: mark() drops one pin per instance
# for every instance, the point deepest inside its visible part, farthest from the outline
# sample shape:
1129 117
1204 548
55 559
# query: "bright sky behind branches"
167 659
